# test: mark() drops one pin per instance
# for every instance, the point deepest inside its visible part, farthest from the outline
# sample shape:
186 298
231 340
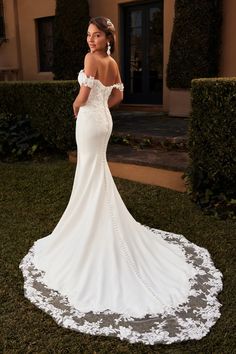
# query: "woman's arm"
81 99
116 95
90 69
115 98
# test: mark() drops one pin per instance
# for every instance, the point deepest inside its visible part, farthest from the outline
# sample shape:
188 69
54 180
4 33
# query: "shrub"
195 42
212 145
69 38
18 141
48 105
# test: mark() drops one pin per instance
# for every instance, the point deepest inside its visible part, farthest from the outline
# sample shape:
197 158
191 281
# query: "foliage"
195 42
17 138
118 139
136 143
212 145
49 106
69 38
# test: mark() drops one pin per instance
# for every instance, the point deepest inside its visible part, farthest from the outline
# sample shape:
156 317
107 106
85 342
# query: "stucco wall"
8 50
228 50
169 12
20 51
28 12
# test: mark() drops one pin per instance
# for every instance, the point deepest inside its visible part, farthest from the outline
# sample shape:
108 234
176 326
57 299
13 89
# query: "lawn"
33 197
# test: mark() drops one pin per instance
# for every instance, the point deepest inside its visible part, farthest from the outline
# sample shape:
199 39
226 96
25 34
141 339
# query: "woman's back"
107 70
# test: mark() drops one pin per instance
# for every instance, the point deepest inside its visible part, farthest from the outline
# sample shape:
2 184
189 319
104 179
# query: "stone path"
162 130
169 160
155 125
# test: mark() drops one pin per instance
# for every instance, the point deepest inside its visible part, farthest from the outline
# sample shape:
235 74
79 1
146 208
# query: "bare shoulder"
90 64
90 58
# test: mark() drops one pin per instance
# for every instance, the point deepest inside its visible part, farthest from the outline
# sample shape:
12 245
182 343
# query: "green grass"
33 196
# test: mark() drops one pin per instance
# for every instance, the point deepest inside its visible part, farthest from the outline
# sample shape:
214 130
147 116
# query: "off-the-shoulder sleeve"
85 80
119 86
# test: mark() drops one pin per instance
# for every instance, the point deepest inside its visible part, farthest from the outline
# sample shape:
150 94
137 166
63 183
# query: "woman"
100 271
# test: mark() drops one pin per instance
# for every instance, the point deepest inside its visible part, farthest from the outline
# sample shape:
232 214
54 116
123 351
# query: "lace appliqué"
119 86
85 80
190 320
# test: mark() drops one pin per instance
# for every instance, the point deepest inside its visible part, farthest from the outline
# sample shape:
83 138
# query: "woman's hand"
75 109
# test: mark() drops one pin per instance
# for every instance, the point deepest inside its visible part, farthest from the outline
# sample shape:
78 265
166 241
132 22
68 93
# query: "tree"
195 42
69 39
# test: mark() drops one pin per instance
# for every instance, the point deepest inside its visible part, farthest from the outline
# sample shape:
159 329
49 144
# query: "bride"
100 271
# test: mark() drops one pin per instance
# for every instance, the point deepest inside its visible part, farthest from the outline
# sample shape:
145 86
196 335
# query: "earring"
108 48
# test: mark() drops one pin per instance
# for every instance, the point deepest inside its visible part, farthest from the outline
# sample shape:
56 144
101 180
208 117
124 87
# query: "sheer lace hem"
191 320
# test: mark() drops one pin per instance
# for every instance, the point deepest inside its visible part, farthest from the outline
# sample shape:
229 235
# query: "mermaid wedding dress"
101 272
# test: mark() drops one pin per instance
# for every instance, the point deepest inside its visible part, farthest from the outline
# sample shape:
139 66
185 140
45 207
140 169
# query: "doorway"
142 52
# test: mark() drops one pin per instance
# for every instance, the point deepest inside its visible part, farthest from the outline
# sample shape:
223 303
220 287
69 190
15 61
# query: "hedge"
195 42
49 106
212 145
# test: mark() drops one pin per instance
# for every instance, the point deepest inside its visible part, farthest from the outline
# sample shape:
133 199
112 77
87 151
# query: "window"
2 25
45 43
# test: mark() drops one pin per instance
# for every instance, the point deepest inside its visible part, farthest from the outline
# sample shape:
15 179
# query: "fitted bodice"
99 93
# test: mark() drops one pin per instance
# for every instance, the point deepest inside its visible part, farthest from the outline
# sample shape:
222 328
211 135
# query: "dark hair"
105 25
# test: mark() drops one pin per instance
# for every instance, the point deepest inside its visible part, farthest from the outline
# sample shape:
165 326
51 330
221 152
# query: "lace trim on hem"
191 320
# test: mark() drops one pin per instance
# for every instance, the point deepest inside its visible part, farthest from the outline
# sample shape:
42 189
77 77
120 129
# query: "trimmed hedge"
195 42
212 145
48 105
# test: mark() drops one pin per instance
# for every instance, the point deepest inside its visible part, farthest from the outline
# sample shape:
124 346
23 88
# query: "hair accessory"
108 48
109 23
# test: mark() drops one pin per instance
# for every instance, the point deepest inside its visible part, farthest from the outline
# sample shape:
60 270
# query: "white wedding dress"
101 272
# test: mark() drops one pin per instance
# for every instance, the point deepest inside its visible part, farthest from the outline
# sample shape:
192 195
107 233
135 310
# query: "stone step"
150 128
149 175
150 166
153 157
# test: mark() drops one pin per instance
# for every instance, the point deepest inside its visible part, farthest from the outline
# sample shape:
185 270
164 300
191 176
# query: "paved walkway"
160 128
169 160
156 125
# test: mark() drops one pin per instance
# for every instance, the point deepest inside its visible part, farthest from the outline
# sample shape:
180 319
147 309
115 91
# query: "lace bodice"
99 93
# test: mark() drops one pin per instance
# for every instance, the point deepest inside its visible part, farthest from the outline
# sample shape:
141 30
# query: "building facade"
144 30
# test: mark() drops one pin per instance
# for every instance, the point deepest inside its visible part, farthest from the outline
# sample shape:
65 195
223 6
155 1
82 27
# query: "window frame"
42 67
2 21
